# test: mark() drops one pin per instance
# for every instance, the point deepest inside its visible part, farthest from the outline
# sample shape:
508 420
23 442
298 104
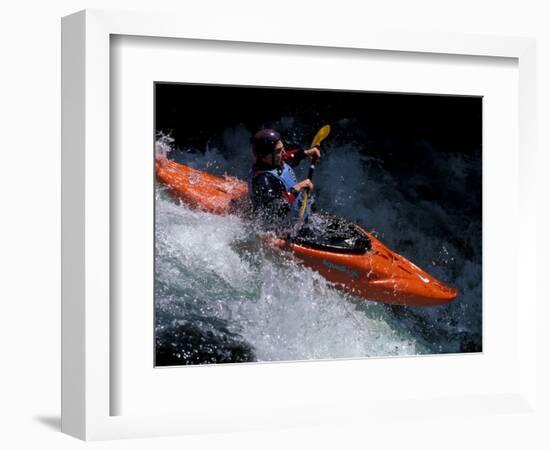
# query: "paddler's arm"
306 184
269 193
294 157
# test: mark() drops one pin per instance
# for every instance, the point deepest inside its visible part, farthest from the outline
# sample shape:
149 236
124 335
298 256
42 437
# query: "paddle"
319 137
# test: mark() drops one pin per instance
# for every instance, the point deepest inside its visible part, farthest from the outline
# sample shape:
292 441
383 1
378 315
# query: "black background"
197 114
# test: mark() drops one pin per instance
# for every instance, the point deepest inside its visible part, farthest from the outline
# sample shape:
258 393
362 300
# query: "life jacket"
288 178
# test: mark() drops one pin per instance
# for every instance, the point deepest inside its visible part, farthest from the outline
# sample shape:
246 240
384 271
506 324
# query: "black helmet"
264 141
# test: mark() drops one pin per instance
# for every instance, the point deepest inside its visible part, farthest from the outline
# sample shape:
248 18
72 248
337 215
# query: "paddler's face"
278 154
275 158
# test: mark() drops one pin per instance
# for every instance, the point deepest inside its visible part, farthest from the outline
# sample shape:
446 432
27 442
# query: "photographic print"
303 224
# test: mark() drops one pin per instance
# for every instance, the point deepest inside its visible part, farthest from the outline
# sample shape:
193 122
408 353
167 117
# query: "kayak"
370 271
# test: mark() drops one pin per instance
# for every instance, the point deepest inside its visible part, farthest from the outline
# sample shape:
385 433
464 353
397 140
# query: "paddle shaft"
310 178
311 169
320 136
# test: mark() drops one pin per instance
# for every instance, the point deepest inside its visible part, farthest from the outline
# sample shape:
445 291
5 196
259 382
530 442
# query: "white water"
211 271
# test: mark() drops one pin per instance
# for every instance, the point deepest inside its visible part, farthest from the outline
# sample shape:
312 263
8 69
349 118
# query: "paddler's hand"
313 152
306 184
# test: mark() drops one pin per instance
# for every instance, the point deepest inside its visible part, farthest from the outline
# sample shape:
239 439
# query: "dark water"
407 167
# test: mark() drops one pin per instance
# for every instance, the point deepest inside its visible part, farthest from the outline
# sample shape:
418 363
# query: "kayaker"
275 192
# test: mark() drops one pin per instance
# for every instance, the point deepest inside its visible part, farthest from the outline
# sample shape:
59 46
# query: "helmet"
264 141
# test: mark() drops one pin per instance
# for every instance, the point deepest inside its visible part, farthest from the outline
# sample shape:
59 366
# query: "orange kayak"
376 274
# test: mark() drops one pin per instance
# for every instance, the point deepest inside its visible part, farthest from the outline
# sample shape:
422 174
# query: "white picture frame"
87 385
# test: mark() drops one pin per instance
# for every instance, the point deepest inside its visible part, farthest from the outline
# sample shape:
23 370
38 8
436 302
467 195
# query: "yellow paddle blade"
321 135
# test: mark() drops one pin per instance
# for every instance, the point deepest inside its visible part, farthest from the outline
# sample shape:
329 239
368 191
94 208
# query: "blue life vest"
286 176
